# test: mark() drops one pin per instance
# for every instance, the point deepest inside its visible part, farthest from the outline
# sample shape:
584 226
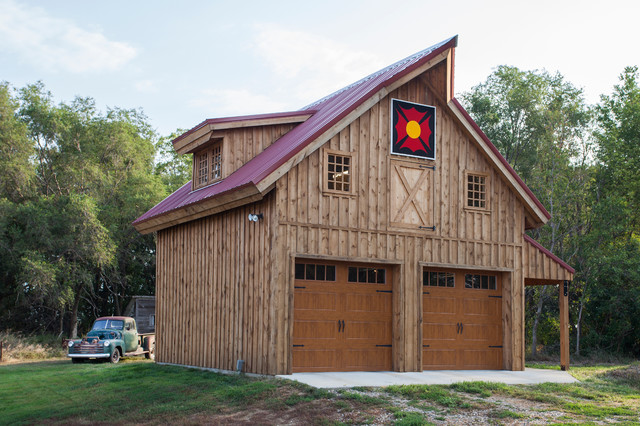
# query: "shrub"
18 347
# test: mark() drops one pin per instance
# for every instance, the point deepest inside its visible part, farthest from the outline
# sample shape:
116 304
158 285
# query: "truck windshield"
108 324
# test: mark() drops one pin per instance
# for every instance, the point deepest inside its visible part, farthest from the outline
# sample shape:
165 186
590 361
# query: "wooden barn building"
375 229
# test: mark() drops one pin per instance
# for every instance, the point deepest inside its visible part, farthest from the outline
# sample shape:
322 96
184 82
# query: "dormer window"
207 166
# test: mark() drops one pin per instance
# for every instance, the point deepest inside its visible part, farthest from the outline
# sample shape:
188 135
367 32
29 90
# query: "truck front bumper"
88 355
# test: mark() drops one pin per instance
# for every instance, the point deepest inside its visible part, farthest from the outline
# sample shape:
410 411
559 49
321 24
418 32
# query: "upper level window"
338 172
207 165
477 190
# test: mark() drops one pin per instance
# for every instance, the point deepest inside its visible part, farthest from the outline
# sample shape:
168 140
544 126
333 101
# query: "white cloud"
229 102
314 65
58 44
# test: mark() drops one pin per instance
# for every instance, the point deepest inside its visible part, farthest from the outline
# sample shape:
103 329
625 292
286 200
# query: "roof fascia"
189 141
537 210
450 73
222 202
348 119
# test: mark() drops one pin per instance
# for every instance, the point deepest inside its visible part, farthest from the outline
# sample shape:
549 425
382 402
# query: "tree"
508 108
539 122
15 150
619 143
175 169
610 250
70 245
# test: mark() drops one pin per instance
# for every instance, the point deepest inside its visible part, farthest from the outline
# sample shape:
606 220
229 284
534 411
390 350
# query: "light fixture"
255 217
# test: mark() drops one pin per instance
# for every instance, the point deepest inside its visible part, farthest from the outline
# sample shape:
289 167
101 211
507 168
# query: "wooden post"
0 350
563 299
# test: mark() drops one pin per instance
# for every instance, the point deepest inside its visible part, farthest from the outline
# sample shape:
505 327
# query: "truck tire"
115 356
150 343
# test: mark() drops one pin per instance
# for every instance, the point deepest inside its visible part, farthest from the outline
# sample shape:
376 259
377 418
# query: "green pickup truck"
112 338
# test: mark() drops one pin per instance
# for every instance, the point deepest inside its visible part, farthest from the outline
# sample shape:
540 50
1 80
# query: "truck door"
130 335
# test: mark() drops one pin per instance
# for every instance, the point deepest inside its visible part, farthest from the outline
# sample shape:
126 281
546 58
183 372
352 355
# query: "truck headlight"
106 343
70 343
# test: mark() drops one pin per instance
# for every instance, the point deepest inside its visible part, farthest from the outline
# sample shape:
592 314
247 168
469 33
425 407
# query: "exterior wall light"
255 217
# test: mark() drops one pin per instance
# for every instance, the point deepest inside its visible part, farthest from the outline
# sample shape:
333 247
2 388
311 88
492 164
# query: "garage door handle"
461 328
339 326
343 326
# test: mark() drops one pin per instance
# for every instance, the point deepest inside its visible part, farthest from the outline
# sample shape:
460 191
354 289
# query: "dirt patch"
492 410
317 412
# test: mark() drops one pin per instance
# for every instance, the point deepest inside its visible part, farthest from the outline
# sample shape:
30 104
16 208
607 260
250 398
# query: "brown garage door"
342 317
462 320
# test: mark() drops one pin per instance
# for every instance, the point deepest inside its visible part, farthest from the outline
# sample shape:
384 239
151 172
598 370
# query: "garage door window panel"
367 275
481 282
315 272
438 279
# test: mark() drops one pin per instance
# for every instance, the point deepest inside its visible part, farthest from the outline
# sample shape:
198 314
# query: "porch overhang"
541 267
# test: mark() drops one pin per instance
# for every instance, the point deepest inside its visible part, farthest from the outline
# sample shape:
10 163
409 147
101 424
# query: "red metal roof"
328 111
548 253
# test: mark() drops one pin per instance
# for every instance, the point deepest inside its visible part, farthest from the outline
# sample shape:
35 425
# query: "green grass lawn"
139 391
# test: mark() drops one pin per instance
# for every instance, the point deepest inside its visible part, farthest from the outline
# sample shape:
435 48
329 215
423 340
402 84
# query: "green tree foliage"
619 143
539 122
509 108
587 174
612 247
173 168
80 178
15 149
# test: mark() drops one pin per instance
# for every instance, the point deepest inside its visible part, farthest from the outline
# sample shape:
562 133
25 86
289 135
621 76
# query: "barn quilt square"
414 129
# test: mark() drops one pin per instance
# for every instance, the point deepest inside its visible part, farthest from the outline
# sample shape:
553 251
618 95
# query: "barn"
376 229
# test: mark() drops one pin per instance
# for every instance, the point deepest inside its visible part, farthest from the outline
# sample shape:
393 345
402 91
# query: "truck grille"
92 346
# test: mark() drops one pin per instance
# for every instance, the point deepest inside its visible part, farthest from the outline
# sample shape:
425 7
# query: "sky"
182 62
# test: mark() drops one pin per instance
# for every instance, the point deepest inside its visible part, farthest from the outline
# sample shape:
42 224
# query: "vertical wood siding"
241 145
539 266
360 226
214 291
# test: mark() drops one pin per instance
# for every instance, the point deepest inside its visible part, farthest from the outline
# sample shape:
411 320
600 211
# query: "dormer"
223 145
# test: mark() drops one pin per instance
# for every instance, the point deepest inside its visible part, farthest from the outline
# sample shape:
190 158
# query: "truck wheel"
115 356
152 352
150 343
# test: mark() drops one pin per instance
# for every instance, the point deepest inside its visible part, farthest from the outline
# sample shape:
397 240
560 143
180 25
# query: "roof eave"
220 202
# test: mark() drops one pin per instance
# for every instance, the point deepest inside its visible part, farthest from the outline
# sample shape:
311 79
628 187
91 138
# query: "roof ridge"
378 73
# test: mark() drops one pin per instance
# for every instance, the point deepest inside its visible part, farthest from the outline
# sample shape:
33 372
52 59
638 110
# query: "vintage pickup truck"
112 338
